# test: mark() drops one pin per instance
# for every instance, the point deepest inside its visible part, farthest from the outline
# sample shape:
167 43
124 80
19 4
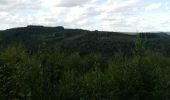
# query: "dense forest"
54 63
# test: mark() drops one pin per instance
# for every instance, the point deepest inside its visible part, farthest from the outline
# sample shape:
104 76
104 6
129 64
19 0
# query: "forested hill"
78 40
54 63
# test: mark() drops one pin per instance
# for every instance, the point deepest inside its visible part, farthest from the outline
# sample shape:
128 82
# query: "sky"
103 15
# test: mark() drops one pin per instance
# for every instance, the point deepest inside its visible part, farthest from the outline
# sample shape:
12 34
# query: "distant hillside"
79 40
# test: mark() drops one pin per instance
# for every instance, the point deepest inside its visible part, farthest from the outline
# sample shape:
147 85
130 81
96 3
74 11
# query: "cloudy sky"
110 15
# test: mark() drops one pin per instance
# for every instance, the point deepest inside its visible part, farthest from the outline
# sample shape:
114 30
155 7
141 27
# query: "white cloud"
64 3
115 6
3 13
153 6
167 5
123 15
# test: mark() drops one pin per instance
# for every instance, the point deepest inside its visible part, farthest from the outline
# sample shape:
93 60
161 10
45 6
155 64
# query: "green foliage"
16 71
56 74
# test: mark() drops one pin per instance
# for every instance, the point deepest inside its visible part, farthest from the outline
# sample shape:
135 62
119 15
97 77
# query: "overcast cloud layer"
110 15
